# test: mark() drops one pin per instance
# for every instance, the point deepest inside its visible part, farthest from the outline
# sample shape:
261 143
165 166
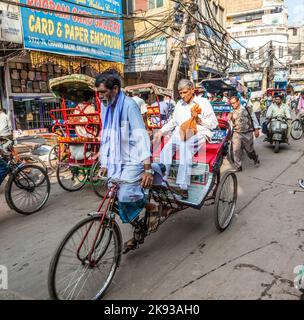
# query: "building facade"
152 36
260 29
296 52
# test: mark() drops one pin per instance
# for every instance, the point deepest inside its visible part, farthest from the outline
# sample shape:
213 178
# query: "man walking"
244 124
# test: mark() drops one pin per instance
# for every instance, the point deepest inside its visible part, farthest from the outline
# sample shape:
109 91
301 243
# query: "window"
127 7
251 32
156 4
249 55
237 54
261 53
236 34
294 32
281 52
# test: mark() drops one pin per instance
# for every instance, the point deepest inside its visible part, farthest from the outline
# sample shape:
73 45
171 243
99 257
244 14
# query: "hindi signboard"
10 26
148 55
71 28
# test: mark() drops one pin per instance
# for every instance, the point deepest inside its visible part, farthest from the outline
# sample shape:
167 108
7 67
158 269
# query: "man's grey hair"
185 83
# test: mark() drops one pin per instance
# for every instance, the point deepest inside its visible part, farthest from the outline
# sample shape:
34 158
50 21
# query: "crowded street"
151 150
187 258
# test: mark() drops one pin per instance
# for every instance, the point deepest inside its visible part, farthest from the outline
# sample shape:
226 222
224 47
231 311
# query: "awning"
210 70
31 98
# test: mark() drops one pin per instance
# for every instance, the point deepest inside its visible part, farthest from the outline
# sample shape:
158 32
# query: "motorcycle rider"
277 109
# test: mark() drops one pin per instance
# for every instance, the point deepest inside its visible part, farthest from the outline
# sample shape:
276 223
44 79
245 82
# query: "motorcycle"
278 131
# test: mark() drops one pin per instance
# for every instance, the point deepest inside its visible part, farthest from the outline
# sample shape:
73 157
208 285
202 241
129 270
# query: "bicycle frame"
110 196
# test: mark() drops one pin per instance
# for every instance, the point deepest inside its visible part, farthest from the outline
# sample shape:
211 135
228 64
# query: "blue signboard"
217 108
73 27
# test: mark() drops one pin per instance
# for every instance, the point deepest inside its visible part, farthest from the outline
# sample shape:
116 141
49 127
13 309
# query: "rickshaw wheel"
296 131
53 157
225 201
99 185
230 156
71 178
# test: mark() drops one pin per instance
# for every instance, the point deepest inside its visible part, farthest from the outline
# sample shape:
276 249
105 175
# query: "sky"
296 11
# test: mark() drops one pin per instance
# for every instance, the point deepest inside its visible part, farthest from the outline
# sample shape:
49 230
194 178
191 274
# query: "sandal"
153 221
165 213
129 245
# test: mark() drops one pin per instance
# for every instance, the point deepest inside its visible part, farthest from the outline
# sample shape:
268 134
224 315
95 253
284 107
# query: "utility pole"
178 53
270 74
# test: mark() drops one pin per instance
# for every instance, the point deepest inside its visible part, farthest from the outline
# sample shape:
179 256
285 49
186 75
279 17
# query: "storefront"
29 91
281 79
68 45
253 81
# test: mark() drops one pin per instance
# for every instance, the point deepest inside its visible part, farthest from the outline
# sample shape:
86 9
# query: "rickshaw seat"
208 155
209 151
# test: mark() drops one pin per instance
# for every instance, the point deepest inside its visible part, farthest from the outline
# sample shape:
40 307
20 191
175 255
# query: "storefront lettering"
42 26
76 33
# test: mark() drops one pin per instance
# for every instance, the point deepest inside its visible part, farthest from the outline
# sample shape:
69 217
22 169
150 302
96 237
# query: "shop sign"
148 55
281 76
297 73
253 84
236 68
274 19
189 41
10 25
64 33
255 76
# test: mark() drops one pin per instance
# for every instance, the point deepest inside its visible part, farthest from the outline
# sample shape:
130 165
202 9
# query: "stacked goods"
77 140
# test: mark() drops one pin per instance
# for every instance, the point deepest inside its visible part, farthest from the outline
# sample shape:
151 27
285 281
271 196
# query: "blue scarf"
111 138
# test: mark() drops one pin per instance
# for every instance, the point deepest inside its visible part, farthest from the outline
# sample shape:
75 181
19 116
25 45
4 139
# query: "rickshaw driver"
125 153
188 148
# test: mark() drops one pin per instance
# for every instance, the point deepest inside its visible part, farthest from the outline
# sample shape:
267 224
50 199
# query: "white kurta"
187 148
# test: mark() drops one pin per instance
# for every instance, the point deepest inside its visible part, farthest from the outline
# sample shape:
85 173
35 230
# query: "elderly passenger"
187 148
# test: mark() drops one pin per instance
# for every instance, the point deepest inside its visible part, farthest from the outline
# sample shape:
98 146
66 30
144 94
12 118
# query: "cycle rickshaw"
86 260
78 125
155 117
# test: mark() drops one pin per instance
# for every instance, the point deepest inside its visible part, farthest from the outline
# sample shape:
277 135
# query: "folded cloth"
188 129
128 211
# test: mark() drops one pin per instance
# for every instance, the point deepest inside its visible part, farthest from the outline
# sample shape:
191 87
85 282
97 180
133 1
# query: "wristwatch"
150 171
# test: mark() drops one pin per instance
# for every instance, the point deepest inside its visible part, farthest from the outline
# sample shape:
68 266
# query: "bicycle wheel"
71 178
27 189
296 129
53 157
99 185
71 275
225 201
230 156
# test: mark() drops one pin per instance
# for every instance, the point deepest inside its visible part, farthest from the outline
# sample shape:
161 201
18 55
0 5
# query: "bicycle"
297 127
28 186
